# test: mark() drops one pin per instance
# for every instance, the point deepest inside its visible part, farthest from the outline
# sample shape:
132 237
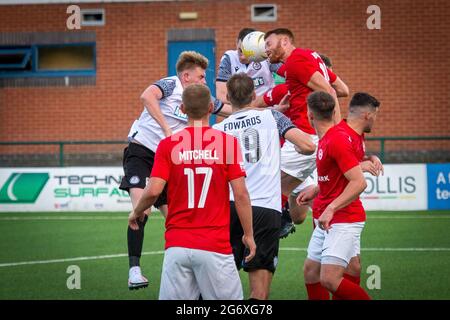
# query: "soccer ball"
253 46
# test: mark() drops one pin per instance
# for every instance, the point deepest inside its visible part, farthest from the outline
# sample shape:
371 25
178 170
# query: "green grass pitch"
412 250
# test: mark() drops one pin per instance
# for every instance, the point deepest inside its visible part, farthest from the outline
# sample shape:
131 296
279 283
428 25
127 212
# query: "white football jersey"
147 131
259 131
260 72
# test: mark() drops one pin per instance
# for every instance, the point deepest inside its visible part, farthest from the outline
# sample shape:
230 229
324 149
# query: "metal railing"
62 144
406 138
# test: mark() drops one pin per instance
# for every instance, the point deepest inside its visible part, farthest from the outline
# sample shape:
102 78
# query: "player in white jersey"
161 117
259 132
234 61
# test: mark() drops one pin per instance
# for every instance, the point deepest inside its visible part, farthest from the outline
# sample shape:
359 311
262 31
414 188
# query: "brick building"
406 63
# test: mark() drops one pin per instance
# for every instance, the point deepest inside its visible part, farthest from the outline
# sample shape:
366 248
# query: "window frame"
255 18
34 55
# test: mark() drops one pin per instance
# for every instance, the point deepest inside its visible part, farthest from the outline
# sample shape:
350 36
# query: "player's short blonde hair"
190 59
196 100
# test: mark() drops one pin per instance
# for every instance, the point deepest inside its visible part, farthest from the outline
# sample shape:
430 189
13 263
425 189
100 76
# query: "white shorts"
310 181
295 164
338 246
187 273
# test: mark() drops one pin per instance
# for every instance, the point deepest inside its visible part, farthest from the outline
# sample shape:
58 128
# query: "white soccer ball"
253 46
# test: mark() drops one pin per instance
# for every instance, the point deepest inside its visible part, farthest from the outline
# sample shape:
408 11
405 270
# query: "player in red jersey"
275 96
363 110
198 164
304 72
337 210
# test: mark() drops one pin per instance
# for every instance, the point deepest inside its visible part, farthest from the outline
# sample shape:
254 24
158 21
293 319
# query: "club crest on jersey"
134 180
256 65
320 154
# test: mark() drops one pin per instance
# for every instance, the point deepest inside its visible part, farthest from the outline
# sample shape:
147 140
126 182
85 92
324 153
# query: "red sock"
355 280
316 291
348 290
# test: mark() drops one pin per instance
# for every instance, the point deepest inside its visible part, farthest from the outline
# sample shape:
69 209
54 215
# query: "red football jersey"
357 140
198 164
274 95
299 68
336 155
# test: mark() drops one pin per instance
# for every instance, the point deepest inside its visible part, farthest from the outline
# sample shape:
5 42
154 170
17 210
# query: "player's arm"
372 164
150 98
223 75
244 211
151 193
220 108
301 140
341 88
356 185
306 196
278 95
317 82
221 91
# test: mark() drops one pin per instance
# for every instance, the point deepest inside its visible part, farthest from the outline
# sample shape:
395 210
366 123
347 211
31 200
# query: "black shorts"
137 166
266 231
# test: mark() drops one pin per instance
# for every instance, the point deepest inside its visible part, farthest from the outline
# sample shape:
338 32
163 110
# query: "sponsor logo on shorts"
134 180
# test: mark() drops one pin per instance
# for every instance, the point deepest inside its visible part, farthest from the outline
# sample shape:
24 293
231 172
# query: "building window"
92 17
56 60
264 12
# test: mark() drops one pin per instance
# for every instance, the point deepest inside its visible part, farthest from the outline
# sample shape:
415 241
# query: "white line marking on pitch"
121 255
13 264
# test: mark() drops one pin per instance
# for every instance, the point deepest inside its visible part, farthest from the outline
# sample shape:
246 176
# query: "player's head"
191 68
240 90
326 59
364 107
277 43
320 107
196 101
245 31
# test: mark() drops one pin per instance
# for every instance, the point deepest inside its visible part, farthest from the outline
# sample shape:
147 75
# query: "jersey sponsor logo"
242 124
258 81
323 178
134 180
23 187
256 65
178 113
